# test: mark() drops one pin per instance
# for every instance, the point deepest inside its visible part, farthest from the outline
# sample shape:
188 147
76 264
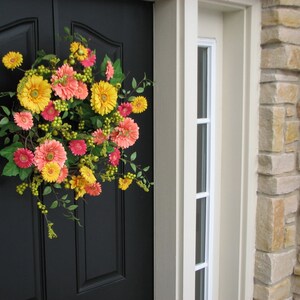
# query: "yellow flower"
139 104
124 183
51 171
12 60
79 51
34 94
87 174
78 184
104 97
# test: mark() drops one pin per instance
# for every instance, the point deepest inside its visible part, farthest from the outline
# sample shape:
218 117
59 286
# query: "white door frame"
175 94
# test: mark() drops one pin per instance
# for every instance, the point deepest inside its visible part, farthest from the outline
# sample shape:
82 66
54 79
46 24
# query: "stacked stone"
277 271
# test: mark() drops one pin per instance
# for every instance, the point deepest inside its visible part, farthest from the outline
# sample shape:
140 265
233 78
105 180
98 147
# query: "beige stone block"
274 164
290 111
291 131
297 270
290 204
269 224
296 285
281 16
281 57
271 124
290 236
289 219
281 290
270 3
298 161
271 75
280 34
279 92
270 268
292 147
278 185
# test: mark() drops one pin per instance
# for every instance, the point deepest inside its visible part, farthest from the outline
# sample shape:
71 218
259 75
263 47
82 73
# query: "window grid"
204 284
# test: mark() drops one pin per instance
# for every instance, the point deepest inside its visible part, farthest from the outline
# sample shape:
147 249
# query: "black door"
111 256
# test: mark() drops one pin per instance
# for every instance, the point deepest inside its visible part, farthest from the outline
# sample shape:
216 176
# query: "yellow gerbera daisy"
51 171
35 94
12 60
104 97
87 174
79 51
124 183
139 104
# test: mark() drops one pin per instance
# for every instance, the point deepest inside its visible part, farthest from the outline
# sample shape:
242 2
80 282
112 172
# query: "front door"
111 256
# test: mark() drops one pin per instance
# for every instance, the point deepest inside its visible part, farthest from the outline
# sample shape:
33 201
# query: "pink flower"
23 158
114 157
24 120
49 151
99 137
125 109
125 134
63 174
78 147
82 91
63 82
49 113
93 189
109 70
90 60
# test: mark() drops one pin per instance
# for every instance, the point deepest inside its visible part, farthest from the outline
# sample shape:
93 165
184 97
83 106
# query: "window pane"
200 280
200 230
201 157
202 82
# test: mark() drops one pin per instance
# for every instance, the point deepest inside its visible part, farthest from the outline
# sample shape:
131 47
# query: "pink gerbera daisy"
49 113
78 147
24 120
63 174
125 109
93 189
99 137
49 151
114 157
82 91
126 133
23 158
64 83
90 60
109 73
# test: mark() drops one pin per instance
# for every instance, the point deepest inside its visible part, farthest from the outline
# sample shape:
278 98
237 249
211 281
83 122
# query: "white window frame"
210 44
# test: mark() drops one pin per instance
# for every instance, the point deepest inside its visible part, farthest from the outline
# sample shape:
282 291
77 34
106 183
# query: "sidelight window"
205 156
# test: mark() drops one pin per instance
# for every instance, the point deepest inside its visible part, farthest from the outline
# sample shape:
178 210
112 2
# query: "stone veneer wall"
277 269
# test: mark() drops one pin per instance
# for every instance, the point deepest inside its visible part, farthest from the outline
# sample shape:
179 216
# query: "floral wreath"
68 130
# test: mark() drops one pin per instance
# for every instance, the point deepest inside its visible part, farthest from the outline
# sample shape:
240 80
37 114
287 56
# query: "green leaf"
139 90
133 83
4 121
16 138
139 174
65 114
103 65
47 190
146 169
6 110
25 173
54 204
72 207
57 186
133 156
6 140
64 197
133 167
10 169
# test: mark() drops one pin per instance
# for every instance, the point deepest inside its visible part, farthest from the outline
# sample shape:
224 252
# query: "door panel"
111 255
